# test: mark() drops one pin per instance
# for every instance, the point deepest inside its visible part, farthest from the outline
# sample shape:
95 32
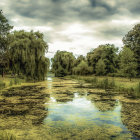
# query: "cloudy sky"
77 26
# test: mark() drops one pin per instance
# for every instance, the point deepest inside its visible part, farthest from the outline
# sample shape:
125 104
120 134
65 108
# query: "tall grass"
6 136
122 85
15 81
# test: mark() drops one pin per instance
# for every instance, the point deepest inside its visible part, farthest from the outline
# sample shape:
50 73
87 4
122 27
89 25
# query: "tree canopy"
27 54
4 31
82 68
128 63
132 41
108 53
63 63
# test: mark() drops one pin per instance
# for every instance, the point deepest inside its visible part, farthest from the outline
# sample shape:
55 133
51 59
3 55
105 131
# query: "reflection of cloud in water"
52 99
86 113
82 108
49 78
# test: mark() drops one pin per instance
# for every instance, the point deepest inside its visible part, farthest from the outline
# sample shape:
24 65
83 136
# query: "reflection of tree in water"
130 115
22 106
103 103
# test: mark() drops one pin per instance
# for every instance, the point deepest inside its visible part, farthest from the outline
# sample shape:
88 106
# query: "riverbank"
112 84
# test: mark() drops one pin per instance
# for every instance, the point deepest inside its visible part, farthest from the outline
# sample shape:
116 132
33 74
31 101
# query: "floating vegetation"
130 114
37 112
24 101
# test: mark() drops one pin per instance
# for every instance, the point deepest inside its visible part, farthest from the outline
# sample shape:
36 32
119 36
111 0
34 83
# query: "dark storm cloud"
57 11
113 31
96 16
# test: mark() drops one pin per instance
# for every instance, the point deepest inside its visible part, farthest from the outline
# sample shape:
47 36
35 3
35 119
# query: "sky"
76 26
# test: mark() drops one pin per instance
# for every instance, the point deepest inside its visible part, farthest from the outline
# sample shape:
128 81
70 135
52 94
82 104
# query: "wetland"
58 109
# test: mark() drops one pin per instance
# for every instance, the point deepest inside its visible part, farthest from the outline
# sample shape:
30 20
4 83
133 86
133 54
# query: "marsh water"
68 111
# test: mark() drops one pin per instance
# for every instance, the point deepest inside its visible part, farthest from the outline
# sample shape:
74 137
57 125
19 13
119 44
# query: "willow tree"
4 31
63 63
27 51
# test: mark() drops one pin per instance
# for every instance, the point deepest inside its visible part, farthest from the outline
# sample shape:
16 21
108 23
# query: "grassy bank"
132 88
9 81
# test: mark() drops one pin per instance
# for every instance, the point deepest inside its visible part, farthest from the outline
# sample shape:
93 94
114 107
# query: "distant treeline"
103 60
22 53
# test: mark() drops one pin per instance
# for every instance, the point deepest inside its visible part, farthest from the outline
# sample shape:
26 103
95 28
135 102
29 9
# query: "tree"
132 41
63 63
100 67
82 69
128 64
79 59
4 31
27 54
108 53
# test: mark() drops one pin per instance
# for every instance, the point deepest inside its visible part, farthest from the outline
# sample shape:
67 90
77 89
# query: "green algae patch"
130 115
24 102
65 96
57 110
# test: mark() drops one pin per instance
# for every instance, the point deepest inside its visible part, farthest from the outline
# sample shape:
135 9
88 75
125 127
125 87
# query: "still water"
85 114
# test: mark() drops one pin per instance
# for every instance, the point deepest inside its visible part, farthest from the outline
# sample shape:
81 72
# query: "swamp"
60 109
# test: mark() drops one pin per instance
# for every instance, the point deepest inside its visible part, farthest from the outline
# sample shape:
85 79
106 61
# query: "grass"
115 83
6 136
9 81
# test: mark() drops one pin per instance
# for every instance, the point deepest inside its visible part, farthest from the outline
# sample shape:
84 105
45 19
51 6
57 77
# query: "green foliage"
4 31
132 41
27 51
15 81
63 63
100 67
107 53
79 60
105 84
82 69
128 63
6 136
